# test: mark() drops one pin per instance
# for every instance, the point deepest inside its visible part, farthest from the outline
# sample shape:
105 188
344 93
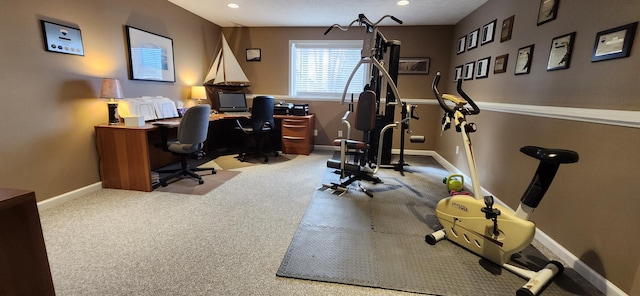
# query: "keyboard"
238 113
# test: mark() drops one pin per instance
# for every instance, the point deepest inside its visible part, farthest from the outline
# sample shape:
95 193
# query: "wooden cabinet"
297 134
24 265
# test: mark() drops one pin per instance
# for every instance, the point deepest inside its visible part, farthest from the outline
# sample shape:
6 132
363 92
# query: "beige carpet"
191 186
229 162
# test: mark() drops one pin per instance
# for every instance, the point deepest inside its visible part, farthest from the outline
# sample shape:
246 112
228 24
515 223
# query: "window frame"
338 44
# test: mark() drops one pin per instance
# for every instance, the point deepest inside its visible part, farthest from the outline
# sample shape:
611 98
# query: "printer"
282 108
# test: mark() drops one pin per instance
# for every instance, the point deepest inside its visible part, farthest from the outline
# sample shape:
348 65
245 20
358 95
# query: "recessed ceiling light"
403 2
233 5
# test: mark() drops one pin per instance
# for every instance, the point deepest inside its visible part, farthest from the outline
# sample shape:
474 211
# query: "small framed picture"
457 73
462 44
413 66
62 39
488 31
500 65
614 43
524 59
468 70
482 68
507 28
473 39
560 53
253 55
548 11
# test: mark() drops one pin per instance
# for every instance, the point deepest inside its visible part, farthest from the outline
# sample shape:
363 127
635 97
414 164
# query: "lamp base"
113 113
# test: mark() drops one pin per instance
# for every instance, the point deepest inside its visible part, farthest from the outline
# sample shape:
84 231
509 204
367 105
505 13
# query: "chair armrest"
242 127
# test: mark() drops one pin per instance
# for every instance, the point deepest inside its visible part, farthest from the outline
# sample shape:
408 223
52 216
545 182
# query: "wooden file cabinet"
297 134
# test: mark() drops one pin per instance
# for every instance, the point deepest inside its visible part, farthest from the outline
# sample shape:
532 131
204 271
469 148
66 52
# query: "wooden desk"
129 154
24 268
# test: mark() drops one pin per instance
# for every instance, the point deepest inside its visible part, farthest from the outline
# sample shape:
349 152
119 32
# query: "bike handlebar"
472 111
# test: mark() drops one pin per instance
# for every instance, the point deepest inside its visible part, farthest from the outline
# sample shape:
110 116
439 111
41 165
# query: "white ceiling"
321 13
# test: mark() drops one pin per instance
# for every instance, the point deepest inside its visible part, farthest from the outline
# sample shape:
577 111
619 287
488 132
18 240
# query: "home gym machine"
493 231
376 49
384 57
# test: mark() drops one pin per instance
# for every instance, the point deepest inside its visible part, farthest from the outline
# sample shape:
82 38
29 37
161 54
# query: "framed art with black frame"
62 39
462 44
468 70
473 39
253 54
507 28
500 65
482 68
457 73
488 31
560 53
614 43
150 56
548 11
413 66
524 59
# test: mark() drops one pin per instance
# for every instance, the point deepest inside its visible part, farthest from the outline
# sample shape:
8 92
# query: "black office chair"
259 126
192 132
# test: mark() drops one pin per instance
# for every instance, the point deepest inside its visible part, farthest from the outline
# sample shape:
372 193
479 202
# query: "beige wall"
592 208
49 100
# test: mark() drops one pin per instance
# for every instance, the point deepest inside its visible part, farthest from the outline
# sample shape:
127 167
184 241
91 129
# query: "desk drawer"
296 145
295 130
297 135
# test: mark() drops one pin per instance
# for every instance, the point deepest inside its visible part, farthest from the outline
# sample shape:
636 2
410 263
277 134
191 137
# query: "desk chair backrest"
194 125
262 114
366 111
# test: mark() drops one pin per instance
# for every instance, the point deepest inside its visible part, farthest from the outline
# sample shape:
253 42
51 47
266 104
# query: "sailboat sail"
226 70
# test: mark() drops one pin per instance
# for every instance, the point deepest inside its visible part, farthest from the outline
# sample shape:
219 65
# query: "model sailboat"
226 70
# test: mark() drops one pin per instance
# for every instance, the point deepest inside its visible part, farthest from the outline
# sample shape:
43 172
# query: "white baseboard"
571 260
56 200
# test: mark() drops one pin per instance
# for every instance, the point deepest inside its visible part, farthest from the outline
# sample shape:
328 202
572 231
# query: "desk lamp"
111 89
198 93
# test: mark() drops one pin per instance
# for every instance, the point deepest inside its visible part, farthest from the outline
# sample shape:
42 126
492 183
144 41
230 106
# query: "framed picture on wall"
614 43
462 44
507 28
548 11
500 65
62 39
468 70
253 54
413 66
482 68
473 39
524 59
457 73
560 53
488 31
150 56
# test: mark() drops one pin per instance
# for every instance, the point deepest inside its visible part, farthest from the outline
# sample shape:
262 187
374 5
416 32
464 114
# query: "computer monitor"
230 102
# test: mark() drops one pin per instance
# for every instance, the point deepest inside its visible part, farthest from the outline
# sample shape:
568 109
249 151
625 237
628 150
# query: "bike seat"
551 155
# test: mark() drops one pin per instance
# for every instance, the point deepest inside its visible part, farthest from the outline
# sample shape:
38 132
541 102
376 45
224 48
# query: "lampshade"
111 89
198 93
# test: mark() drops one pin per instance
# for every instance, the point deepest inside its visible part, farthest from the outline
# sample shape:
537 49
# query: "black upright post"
393 47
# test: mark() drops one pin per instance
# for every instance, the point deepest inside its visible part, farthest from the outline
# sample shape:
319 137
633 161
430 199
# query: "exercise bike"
490 230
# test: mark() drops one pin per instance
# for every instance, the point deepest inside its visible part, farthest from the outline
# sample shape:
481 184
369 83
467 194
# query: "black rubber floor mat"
379 242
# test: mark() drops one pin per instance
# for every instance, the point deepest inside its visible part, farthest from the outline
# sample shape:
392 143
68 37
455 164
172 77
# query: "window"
322 68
